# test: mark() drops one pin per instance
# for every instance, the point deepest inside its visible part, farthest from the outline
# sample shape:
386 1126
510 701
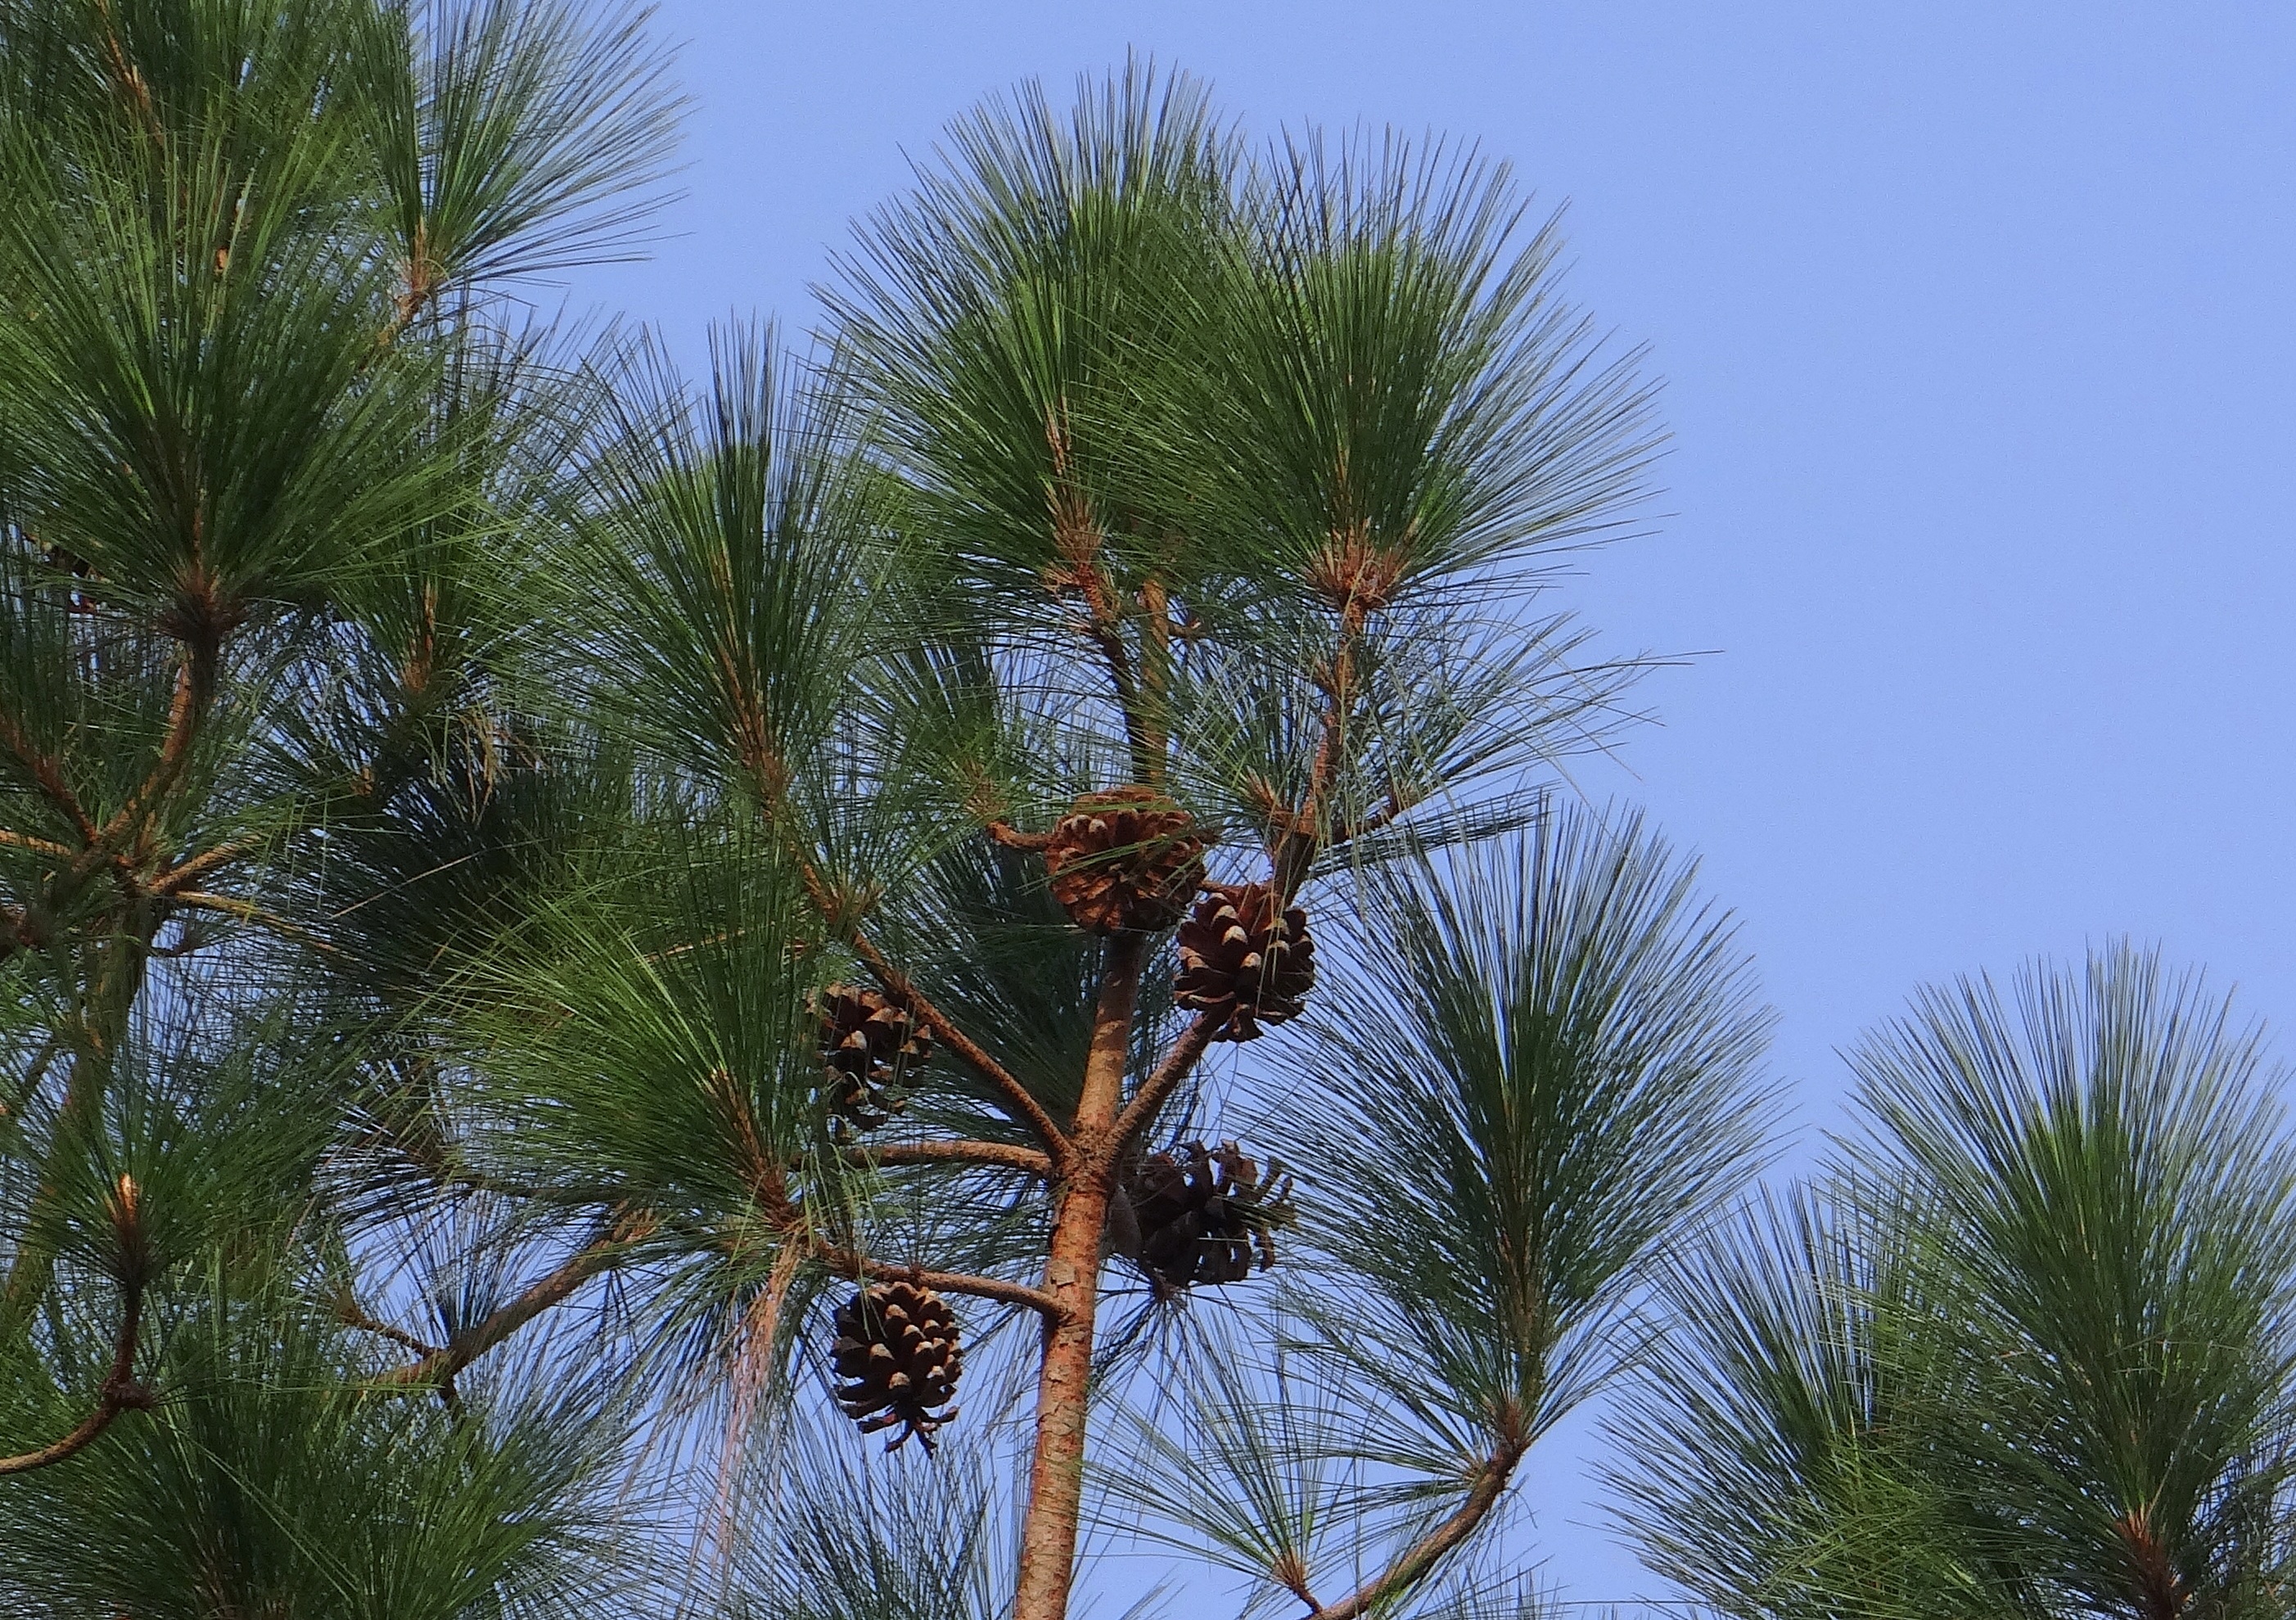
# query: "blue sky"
1981 373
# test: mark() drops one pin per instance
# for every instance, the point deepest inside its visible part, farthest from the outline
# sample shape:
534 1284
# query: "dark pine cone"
1239 957
896 1357
1129 858
1204 1214
869 1045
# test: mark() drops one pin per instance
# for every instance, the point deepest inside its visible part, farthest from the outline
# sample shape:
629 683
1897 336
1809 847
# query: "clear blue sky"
1975 321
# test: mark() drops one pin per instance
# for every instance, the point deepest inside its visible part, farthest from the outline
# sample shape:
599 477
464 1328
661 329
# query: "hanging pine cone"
869 1047
1128 859
1241 959
1204 1214
896 1357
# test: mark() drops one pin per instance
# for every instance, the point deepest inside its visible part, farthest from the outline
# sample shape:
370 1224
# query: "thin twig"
194 685
913 1000
38 846
47 776
350 1313
247 911
601 1253
186 873
1415 1562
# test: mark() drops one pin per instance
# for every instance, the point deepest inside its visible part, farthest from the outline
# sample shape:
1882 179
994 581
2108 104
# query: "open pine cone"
1204 1213
896 1357
1128 859
1240 956
869 1047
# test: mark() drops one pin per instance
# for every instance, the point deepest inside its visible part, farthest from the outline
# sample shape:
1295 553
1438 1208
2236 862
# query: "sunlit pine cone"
1244 960
1126 859
896 1356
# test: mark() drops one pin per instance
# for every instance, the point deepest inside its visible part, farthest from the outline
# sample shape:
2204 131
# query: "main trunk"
1048 1536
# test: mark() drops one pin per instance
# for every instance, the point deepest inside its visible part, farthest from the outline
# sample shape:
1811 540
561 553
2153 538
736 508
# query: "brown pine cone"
869 1047
896 1357
1204 1214
1128 859
1239 957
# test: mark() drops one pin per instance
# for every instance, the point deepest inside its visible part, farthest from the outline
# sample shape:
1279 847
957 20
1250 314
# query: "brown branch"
38 846
47 775
1178 1064
1077 537
194 685
1016 1096
847 1263
1000 1155
1416 1561
1072 1261
247 911
601 1253
1305 835
769 773
2160 1592
1013 838
119 1393
186 873
348 1313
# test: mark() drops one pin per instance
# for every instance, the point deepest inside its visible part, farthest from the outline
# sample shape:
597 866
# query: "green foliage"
270 1481
1544 1075
2038 1362
449 758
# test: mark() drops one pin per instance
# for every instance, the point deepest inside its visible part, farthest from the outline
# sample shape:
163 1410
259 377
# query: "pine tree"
574 943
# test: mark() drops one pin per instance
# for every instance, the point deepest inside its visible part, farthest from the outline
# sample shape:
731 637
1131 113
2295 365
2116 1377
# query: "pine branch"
1048 1532
847 1263
186 873
247 911
1415 1562
48 775
38 846
195 684
1000 1156
120 1393
351 1314
600 1254
913 1000
1178 1064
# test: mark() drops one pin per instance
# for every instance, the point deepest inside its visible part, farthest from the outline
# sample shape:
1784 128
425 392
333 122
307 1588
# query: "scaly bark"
1048 1535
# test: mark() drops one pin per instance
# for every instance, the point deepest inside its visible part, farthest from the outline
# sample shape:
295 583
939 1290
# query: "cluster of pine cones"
1132 860
1129 860
1205 1215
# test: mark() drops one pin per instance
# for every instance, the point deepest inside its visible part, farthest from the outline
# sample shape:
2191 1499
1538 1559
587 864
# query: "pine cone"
868 1046
1239 958
1129 858
896 1357
1205 1215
